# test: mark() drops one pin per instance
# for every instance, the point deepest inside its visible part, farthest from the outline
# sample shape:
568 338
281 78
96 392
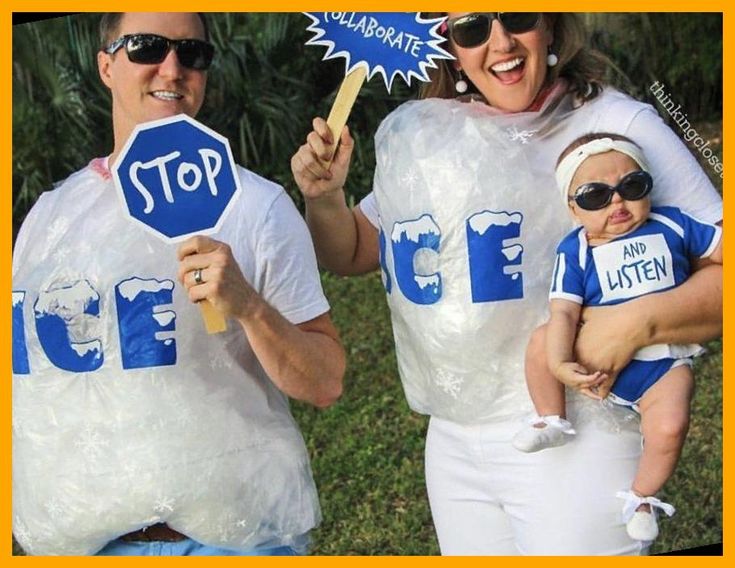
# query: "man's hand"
304 361
222 282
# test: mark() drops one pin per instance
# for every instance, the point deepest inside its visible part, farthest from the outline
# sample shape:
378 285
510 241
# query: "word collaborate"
369 27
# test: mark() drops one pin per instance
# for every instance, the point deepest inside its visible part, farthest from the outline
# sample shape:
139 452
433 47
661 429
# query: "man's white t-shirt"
126 412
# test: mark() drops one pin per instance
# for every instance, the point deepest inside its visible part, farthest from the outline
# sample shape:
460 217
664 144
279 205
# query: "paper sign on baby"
390 44
178 178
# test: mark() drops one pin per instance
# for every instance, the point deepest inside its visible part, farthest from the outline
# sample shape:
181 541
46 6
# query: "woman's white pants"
487 498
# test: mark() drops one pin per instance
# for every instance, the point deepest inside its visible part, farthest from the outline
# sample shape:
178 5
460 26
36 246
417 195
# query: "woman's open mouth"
510 71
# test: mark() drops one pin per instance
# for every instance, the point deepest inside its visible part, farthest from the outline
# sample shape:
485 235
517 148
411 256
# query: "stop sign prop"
178 178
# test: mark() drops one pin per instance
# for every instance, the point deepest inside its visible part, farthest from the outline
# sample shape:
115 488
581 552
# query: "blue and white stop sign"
177 177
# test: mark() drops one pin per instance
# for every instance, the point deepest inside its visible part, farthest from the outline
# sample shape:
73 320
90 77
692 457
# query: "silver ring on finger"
198 276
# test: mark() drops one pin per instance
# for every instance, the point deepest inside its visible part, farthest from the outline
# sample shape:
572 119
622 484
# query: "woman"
462 221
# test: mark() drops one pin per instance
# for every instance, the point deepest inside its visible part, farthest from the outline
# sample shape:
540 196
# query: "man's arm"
305 361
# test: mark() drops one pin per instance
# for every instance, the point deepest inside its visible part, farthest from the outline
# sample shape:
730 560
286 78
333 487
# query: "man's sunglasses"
597 195
149 49
473 29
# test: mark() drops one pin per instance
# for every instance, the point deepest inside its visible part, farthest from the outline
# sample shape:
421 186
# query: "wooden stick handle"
343 105
214 321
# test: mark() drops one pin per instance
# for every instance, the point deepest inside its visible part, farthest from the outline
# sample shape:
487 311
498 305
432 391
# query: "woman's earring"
461 85
551 58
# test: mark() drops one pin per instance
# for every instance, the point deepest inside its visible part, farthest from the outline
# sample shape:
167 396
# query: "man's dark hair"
110 22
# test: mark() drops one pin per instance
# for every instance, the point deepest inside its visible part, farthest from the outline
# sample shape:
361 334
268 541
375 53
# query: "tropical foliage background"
264 89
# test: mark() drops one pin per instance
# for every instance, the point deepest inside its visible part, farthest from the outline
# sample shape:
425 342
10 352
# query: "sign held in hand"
389 44
178 178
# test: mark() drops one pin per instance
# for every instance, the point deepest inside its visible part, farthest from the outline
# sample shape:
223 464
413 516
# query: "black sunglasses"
473 29
149 49
597 195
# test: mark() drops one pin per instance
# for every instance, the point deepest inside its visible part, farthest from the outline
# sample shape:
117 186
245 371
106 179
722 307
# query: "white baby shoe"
642 525
551 434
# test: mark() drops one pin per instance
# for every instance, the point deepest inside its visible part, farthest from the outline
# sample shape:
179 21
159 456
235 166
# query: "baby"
623 249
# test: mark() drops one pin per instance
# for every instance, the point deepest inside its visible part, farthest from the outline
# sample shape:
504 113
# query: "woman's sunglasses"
149 49
597 195
473 29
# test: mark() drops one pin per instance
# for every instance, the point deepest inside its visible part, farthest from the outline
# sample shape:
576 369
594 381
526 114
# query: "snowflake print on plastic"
242 523
164 504
520 135
91 442
54 509
409 179
60 255
449 383
221 362
56 230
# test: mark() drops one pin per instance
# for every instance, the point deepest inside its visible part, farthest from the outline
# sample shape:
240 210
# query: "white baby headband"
568 166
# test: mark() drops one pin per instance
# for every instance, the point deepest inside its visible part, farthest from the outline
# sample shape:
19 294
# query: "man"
135 432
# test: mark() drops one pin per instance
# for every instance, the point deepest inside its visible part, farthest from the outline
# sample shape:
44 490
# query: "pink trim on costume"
99 166
545 96
540 99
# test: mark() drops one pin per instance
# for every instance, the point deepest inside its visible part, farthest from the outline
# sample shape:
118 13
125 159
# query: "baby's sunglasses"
473 29
597 195
150 49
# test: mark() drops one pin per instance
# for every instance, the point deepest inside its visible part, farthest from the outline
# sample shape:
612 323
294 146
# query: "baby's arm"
560 337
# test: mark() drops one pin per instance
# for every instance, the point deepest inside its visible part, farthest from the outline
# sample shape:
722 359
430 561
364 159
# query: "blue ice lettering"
67 322
491 258
20 351
387 282
408 238
146 334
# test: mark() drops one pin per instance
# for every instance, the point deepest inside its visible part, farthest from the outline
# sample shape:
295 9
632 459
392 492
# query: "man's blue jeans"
186 547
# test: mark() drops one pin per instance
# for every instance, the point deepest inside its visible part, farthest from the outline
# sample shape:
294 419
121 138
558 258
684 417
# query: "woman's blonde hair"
582 67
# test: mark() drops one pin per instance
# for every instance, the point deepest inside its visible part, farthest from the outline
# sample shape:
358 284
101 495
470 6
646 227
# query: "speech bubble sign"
176 177
391 44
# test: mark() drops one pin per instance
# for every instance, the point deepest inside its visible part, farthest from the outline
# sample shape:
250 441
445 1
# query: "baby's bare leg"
664 423
546 392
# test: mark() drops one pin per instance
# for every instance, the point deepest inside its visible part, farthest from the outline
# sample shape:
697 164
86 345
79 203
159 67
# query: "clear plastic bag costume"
125 412
469 219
